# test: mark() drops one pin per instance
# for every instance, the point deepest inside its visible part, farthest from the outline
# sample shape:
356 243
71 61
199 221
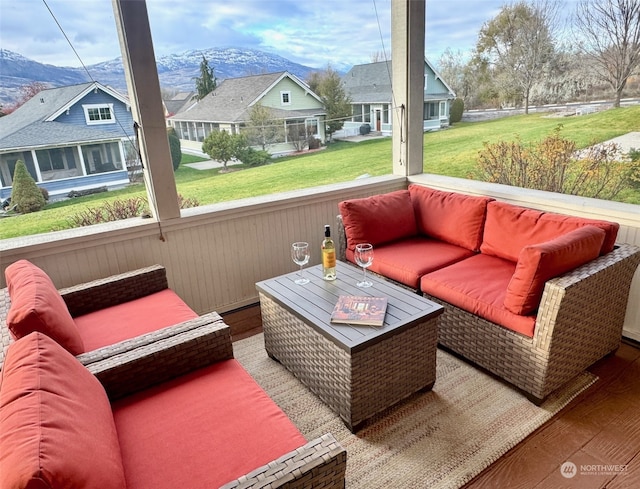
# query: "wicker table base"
360 381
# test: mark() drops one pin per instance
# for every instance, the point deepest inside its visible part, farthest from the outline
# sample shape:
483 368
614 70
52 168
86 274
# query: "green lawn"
449 152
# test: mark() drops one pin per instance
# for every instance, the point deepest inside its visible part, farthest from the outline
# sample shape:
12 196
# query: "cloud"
336 32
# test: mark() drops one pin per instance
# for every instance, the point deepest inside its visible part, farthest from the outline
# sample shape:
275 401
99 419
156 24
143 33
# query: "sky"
313 33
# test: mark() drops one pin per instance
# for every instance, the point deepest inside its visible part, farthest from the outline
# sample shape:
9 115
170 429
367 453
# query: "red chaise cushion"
540 262
451 217
479 285
509 228
36 305
378 219
211 426
130 319
56 426
407 260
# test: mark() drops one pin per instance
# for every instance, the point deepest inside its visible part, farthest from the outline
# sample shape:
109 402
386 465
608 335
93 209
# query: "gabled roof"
233 98
34 120
371 83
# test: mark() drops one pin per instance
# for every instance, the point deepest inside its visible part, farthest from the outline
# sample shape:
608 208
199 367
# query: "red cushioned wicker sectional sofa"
533 297
137 394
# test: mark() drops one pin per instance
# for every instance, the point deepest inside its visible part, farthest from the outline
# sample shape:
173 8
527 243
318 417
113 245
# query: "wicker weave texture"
113 290
139 368
579 321
321 463
355 386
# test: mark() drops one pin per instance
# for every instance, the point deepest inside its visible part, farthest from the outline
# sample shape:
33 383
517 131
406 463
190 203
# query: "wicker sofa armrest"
113 290
320 463
589 303
137 364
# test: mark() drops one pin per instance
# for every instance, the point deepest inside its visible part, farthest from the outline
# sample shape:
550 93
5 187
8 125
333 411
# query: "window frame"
285 94
92 122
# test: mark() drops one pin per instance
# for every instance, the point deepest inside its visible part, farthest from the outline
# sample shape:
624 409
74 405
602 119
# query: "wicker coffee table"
358 371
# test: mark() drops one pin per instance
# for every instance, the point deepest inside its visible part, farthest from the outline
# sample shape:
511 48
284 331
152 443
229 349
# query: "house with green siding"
293 107
370 88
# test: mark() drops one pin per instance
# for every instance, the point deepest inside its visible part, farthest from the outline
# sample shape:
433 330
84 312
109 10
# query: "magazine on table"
351 309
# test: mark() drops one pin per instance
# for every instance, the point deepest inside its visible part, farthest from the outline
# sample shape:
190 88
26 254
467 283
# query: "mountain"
176 71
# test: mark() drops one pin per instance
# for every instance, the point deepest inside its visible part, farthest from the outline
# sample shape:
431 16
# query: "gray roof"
27 127
371 84
178 102
232 99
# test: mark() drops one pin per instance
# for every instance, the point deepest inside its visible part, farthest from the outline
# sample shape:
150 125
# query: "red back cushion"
451 217
538 263
378 219
36 305
509 228
56 426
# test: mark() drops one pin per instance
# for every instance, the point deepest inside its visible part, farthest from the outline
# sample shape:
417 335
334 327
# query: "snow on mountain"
176 71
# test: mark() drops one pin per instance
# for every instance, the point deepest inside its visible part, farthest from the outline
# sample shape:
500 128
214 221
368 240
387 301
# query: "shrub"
25 195
313 143
121 209
254 157
174 147
45 193
554 165
457 108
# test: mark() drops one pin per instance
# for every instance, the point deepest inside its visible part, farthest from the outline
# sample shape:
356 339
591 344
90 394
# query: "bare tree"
610 32
518 43
263 129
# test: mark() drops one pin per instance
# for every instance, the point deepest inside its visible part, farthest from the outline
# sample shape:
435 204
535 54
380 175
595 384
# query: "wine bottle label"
328 258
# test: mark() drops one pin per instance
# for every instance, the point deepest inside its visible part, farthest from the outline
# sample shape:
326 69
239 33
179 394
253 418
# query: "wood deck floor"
599 431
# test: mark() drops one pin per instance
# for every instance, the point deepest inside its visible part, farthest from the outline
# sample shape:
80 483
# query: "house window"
57 163
285 98
99 114
385 113
367 113
312 127
357 113
101 158
443 110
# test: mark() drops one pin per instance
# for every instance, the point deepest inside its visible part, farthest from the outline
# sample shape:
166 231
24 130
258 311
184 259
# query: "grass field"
450 152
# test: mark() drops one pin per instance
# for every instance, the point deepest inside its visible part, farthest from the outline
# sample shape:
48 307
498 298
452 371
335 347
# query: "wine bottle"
328 255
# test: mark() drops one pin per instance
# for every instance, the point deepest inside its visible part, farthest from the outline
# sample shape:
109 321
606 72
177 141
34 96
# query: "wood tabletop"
314 302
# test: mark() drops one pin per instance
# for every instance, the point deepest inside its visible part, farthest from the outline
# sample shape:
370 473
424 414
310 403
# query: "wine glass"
364 258
300 255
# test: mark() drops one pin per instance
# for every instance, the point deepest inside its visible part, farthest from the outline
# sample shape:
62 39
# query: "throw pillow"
378 219
540 262
36 305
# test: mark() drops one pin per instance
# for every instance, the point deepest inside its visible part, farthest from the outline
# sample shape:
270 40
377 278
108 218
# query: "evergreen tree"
222 146
206 82
328 85
25 195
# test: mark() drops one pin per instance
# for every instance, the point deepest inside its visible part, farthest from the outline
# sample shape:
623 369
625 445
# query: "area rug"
437 439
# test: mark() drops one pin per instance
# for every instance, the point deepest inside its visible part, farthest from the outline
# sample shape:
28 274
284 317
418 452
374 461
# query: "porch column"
132 23
407 53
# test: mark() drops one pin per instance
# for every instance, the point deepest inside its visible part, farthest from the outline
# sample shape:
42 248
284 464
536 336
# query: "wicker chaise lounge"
96 295
578 320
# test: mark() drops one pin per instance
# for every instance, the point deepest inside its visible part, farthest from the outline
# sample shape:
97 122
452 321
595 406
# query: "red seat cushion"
451 217
36 305
540 262
509 228
407 260
56 426
211 426
378 219
479 285
130 319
